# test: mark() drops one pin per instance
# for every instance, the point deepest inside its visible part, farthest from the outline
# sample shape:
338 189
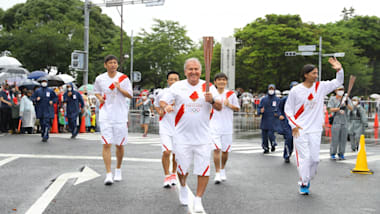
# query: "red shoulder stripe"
179 115
230 93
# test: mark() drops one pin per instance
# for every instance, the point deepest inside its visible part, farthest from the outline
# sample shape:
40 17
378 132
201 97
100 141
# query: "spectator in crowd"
146 111
27 113
6 97
15 111
357 122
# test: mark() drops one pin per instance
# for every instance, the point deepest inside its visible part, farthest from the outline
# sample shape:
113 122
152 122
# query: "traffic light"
77 60
291 53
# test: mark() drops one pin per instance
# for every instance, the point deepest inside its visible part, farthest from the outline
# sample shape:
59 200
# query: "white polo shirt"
222 121
115 108
166 122
304 106
192 112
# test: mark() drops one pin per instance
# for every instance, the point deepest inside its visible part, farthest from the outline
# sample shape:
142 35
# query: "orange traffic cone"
361 160
376 122
54 127
82 128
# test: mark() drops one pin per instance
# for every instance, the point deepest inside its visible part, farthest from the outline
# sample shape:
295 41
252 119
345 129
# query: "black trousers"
6 117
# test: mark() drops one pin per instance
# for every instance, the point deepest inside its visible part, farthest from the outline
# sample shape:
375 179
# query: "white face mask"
44 84
144 97
355 103
340 93
270 92
69 89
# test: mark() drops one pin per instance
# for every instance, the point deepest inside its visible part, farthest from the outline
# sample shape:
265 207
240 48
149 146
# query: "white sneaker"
173 179
117 175
183 195
167 181
217 179
108 180
198 207
223 175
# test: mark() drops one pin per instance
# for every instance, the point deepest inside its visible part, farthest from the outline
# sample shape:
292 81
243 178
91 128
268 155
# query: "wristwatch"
213 101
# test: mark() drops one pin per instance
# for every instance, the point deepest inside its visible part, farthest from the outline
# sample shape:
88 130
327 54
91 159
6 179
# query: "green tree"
159 51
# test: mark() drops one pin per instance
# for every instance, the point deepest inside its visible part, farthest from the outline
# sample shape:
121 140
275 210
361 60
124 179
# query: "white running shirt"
304 106
167 121
222 121
115 108
192 112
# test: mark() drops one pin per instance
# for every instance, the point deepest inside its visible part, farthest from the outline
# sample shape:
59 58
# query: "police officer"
268 108
286 130
44 98
74 103
357 122
339 108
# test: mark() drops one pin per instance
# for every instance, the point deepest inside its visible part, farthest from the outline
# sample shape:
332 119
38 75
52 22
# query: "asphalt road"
257 183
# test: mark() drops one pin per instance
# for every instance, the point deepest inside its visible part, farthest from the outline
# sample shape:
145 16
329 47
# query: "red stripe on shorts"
206 170
165 147
216 146
122 141
105 141
298 164
229 146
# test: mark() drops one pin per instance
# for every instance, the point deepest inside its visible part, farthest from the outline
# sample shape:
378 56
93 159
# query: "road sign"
290 53
339 54
307 48
136 76
307 53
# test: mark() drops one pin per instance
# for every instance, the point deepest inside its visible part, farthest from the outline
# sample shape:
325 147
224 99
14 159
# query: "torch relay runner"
112 88
304 109
193 106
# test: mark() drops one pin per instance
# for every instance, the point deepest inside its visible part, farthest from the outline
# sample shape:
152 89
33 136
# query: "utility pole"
131 74
121 38
320 59
86 39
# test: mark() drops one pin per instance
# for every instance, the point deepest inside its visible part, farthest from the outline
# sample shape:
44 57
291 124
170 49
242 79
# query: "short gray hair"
193 59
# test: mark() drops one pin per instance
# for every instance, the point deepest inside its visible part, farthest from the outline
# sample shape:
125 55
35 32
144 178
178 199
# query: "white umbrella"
9 61
66 78
374 96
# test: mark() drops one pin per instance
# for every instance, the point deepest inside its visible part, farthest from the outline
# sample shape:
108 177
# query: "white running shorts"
222 142
166 143
198 154
114 133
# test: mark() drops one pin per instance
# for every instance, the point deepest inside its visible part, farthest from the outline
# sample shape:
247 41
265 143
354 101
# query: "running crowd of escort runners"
196 121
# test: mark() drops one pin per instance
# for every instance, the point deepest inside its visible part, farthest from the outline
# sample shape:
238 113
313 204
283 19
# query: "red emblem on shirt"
194 96
310 97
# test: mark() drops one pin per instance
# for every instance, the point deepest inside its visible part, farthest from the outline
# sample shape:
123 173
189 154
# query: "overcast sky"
219 18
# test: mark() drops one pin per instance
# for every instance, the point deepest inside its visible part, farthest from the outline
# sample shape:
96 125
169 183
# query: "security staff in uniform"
357 122
339 108
44 98
74 103
268 108
286 130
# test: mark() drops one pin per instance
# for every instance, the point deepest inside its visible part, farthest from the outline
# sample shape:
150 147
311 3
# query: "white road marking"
7 160
40 205
76 157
